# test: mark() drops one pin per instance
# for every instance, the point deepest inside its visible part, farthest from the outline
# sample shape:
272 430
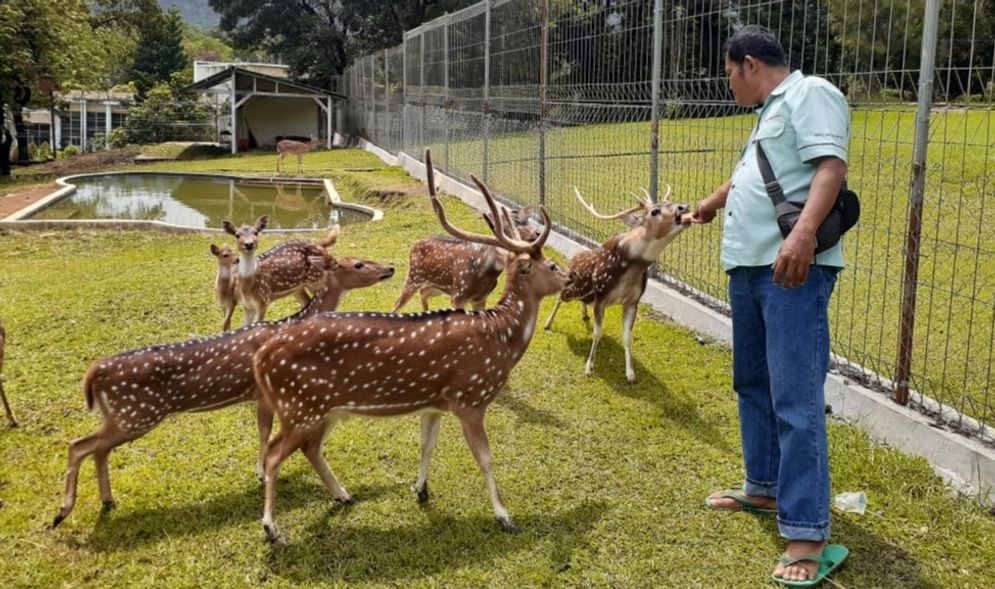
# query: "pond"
199 201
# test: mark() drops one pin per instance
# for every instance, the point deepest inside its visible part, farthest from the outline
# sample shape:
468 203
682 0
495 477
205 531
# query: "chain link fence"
539 96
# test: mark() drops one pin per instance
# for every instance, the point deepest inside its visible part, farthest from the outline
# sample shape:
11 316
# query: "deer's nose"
683 208
250 246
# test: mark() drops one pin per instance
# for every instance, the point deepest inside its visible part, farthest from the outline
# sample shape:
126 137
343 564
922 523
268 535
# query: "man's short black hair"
756 41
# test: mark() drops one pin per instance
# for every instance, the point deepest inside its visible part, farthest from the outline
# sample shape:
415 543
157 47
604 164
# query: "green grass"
605 479
955 318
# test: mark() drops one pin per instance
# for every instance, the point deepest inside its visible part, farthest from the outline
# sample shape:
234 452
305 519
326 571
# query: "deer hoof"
509 525
630 378
58 520
272 536
108 505
423 494
345 499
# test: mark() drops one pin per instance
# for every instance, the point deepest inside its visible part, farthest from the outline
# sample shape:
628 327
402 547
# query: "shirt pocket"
770 129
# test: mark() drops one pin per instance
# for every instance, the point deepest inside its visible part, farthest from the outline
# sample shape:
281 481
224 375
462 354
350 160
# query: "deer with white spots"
616 273
137 389
225 282
295 148
467 272
3 396
384 364
290 268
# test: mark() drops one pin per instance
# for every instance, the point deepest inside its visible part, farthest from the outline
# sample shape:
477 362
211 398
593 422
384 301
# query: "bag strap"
774 190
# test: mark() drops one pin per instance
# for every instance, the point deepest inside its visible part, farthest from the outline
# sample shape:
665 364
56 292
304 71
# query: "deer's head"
527 266
247 235
658 220
315 142
356 273
225 255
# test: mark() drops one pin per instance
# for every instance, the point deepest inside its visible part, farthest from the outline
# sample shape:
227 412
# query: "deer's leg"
628 320
406 294
583 313
478 305
430 422
6 406
549 321
300 164
472 421
599 316
282 446
312 450
264 422
302 297
228 309
104 478
102 441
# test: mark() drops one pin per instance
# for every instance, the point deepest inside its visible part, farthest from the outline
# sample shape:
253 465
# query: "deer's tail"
88 385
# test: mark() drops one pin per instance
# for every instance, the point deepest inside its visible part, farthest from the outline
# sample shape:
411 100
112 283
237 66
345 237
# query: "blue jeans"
780 349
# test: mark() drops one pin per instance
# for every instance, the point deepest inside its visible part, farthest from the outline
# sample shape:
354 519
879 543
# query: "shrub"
117 139
70 151
32 151
44 151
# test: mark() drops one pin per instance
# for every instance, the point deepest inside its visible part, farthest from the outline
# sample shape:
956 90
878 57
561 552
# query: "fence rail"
538 96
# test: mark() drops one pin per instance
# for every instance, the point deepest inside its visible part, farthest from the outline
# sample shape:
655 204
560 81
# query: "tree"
39 38
160 53
169 114
317 38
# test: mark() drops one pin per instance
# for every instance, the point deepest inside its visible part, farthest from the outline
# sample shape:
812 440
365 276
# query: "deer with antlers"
295 148
465 271
290 268
616 273
3 396
135 390
385 364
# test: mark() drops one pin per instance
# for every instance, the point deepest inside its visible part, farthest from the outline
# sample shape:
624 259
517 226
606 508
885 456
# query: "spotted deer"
137 389
290 268
225 281
467 272
6 406
386 364
616 272
296 148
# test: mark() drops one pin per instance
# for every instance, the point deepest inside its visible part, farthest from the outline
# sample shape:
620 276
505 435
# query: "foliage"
69 151
118 138
160 53
204 46
196 12
167 114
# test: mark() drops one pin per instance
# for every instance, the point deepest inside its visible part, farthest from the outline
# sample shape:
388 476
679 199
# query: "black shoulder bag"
840 219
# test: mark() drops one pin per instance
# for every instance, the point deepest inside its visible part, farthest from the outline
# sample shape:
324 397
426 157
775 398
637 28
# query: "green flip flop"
832 557
744 503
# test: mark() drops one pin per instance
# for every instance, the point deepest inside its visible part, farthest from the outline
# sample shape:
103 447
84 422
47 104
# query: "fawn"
386 364
137 389
224 283
296 148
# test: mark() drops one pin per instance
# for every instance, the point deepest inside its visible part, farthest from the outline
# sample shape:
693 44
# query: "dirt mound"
80 164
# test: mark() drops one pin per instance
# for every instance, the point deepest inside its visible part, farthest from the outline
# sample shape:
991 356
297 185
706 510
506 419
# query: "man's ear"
229 227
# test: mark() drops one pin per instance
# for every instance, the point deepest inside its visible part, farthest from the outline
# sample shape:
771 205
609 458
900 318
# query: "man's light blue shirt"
805 118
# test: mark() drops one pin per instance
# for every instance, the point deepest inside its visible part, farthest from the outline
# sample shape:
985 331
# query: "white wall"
269 116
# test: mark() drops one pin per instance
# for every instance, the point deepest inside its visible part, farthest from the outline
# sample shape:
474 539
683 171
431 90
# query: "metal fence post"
487 88
655 113
543 41
373 98
445 82
914 232
421 94
386 100
404 92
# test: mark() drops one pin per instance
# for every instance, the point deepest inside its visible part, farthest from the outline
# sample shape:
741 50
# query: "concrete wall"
269 116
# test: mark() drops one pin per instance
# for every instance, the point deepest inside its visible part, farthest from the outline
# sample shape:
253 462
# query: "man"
779 292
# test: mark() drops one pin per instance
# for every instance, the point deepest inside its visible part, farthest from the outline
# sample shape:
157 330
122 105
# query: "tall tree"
160 53
39 39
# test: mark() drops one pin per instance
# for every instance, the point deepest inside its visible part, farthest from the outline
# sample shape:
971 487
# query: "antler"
500 237
648 200
595 213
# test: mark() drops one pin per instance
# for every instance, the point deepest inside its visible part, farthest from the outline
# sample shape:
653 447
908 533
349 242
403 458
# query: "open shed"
269 107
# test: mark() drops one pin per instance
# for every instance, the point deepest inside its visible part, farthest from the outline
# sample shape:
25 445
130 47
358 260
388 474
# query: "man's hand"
700 216
794 258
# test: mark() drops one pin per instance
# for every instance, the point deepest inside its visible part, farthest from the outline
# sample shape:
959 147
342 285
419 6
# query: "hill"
197 12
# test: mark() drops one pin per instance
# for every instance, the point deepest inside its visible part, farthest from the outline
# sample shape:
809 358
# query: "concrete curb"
964 463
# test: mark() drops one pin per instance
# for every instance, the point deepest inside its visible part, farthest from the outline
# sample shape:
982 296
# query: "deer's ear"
630 220
215 250
525 213
262 223
524 266
228 227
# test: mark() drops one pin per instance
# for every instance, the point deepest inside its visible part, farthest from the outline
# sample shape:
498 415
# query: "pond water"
197 201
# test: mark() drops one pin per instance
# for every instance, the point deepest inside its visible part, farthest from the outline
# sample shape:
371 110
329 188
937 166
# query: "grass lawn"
606 480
